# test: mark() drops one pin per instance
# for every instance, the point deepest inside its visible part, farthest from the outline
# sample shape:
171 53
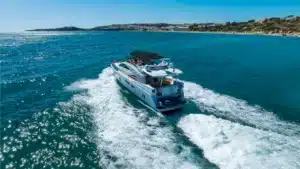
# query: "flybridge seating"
161 65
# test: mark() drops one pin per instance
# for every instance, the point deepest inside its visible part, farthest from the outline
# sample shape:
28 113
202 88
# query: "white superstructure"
152 78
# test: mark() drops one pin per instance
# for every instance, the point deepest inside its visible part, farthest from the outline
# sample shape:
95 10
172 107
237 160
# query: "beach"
234 33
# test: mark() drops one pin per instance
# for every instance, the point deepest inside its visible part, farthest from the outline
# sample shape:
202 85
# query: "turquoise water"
61 107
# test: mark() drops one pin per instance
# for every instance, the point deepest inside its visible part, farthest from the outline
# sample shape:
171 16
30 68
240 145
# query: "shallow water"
61 107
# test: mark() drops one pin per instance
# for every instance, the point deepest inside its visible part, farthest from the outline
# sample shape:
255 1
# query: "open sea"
61 107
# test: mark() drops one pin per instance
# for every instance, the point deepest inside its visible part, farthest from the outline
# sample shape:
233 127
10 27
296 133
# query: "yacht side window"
124 66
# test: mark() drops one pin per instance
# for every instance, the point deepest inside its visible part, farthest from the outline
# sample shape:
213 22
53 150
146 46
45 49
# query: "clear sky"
18 15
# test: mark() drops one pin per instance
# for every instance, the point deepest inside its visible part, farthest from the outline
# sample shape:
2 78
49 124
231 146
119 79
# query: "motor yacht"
152 78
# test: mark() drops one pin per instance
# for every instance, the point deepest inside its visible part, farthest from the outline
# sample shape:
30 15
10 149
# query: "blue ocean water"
61 107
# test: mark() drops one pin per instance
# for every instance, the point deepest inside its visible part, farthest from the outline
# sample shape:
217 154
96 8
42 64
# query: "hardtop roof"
145 56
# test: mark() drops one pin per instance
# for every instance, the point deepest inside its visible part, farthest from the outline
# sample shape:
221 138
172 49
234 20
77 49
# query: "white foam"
128 137
264 142
235 109
82 85
234 146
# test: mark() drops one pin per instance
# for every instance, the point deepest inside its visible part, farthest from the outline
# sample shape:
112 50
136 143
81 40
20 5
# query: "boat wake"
231 133
129 137
237 135
237 110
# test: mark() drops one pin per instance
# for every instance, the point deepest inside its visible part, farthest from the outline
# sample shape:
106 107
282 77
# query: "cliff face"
290 24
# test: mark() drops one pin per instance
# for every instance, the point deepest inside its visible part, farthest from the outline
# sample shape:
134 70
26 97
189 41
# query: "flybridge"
150 61
161 64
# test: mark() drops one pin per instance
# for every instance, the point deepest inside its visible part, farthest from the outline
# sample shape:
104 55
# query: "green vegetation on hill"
287 25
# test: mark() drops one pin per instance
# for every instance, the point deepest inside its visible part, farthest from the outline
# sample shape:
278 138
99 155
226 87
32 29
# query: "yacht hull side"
138 89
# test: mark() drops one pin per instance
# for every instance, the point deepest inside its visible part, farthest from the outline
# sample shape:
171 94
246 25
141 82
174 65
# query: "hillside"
287 25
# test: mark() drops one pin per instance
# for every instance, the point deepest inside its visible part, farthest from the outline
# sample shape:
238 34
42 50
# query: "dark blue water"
61 107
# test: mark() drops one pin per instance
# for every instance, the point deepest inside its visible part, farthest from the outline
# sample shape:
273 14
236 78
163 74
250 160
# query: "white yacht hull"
144 93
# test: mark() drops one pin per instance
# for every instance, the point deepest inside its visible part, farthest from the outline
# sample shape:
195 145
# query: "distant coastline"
287 26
